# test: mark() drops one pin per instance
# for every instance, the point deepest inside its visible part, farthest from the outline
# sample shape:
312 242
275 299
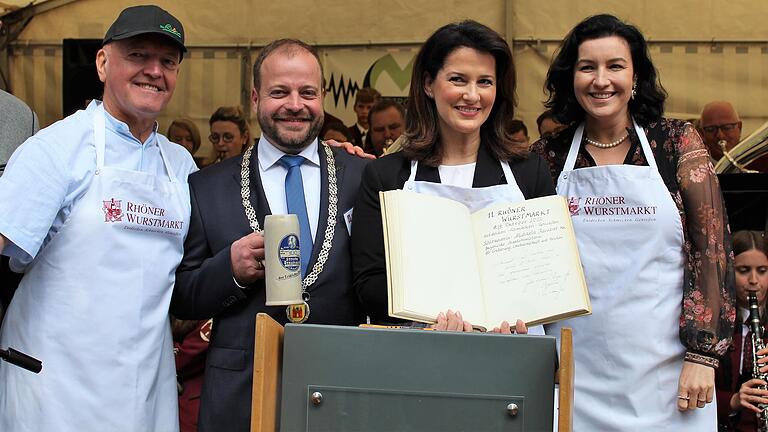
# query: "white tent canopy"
704 49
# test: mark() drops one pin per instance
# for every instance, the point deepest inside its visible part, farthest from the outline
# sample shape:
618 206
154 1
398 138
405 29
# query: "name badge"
348 220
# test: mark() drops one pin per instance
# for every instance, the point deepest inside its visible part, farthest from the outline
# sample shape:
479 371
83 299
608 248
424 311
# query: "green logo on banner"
387 64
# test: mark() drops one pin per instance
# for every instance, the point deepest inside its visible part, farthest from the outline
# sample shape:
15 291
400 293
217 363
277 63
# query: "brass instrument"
727 155
757 345
744 153
395 146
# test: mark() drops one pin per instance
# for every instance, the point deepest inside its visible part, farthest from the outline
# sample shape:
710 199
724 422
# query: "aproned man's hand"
351 149
247 254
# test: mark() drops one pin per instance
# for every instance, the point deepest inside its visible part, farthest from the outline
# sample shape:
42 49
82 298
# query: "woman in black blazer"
462 95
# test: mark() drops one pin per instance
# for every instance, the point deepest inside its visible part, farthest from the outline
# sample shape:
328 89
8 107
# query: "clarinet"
757 345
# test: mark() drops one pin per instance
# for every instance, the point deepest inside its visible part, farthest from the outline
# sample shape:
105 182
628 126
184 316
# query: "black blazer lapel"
339 162
426 173
322 222
488 171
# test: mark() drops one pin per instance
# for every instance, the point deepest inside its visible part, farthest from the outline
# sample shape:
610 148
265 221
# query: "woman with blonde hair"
183 131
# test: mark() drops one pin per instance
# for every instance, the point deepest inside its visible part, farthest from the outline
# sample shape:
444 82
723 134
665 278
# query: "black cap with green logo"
137 20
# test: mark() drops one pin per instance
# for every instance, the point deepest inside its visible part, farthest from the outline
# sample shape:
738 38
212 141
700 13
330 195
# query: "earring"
634 90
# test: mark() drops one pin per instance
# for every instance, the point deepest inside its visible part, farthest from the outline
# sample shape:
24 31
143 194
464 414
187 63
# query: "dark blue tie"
294 198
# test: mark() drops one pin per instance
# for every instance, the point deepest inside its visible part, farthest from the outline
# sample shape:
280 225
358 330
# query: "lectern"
330 378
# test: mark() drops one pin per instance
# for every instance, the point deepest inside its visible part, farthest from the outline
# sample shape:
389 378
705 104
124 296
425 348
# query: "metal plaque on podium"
360 379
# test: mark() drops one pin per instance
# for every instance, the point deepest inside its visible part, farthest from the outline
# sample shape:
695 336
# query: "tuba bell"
744 153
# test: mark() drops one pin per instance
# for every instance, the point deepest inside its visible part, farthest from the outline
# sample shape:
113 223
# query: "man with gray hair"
721 128
94 210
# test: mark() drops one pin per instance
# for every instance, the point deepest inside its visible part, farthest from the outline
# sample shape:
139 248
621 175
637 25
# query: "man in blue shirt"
94 210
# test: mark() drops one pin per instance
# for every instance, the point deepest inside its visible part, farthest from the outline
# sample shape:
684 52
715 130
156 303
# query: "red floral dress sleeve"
708 312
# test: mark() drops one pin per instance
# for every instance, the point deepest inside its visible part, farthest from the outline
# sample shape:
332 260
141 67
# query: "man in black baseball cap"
94 210
138 20
138 64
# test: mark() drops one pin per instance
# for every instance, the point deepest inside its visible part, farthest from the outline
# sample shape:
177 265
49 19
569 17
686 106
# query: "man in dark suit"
222 272
387 123
365 98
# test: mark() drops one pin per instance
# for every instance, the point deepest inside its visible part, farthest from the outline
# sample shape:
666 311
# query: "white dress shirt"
273 180
457 175
744 331
363 133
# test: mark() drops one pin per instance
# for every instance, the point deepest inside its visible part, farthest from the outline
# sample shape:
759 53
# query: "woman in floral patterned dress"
652 235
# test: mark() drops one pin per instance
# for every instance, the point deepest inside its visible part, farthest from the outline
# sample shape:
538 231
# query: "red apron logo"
112 210
573 205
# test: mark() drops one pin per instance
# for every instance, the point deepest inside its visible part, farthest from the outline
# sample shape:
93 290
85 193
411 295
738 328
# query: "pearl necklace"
607 145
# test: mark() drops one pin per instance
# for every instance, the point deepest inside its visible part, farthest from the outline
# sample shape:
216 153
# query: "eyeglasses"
727 127
227 137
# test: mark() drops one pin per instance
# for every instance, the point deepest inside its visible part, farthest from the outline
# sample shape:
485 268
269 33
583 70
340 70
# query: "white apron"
474 198
93 307
628 353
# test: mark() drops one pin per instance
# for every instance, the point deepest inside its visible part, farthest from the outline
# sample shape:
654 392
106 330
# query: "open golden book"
504 262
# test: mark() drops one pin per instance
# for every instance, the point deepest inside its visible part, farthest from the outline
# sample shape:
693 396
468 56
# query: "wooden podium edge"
267 372
564 376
